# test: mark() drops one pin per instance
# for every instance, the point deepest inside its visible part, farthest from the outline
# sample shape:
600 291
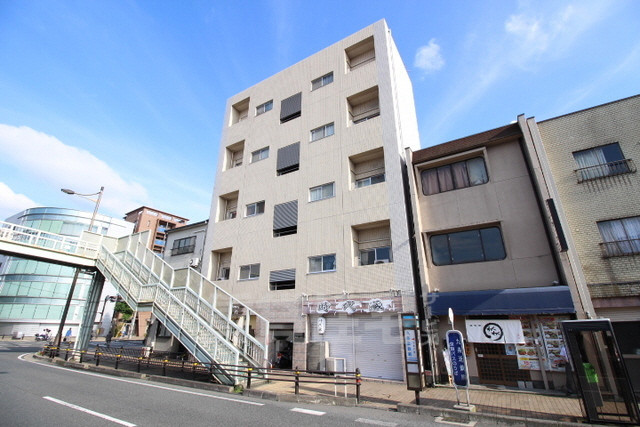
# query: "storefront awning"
539 300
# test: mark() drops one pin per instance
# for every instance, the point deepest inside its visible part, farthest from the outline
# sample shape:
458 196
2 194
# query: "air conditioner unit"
381 261
194 262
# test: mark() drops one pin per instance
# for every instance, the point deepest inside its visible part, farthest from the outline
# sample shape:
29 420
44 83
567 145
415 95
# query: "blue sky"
131 95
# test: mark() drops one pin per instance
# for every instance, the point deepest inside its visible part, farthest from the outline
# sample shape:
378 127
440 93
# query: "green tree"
124 309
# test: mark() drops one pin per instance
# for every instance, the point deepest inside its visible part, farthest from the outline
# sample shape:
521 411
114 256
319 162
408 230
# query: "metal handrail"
46 240
614 168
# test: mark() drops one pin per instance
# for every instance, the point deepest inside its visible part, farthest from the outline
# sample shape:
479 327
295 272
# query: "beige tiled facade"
329 226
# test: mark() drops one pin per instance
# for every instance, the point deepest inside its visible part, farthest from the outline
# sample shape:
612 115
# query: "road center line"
308 411
89 411
107 377
376 422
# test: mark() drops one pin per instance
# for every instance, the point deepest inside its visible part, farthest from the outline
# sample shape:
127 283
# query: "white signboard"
494 331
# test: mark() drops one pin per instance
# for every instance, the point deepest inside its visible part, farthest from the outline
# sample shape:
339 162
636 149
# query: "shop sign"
495 331
355 305
459 371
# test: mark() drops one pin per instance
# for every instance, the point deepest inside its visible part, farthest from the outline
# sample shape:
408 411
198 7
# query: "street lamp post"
75 276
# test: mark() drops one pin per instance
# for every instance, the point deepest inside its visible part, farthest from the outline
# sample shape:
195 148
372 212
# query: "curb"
457 415
466 417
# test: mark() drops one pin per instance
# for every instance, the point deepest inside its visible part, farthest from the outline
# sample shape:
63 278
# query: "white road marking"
376 422
107 377
307 411
89 411
455 423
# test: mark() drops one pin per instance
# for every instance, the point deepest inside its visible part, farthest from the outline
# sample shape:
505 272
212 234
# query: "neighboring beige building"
308 222
591 154
158 222
490 253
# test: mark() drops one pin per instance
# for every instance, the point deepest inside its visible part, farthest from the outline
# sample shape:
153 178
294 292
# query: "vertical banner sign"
459 370
412 352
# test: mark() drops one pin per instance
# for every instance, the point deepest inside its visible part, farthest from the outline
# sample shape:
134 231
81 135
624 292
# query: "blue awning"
539 300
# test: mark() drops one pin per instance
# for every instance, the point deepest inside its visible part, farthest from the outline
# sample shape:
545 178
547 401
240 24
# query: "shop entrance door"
603 379
495 366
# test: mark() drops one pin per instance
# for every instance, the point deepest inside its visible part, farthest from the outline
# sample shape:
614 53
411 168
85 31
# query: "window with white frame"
321 192
322 132
370 180
263 108
223 259
466 173
234 154
251 271
256 208
260 154
620 236
322 263
322 81
367 168
228 206
598 162
484 244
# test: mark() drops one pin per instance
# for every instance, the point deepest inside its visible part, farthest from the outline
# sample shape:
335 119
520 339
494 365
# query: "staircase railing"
220 310
43 239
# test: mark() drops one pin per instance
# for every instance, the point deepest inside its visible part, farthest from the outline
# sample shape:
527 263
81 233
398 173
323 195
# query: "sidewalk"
388 395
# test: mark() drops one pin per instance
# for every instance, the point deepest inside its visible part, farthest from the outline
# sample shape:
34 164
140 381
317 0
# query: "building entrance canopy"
537 300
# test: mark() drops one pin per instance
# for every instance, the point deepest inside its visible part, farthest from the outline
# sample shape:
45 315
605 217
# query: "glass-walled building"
33 293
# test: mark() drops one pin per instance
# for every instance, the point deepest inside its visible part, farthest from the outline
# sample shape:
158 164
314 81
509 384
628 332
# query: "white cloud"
12 203
58 165
428 58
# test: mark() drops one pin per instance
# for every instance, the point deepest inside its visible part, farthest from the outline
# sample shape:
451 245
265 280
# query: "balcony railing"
618 167
620 248
366 115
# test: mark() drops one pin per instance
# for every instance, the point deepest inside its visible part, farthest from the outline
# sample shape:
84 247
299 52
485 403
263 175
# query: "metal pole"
66 308
95 210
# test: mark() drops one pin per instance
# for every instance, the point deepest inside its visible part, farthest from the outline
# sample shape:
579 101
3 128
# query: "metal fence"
143 359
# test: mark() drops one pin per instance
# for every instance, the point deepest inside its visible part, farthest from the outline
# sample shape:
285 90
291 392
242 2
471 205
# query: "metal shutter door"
290 107
620 314
288 156
285 215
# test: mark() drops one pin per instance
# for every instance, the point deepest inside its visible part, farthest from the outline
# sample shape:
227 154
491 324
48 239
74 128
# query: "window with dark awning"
288 159
282 279
291 107
285 218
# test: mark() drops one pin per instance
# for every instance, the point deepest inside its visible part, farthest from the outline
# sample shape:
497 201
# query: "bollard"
358 381
297 387
249 370
139 363
82 352
193 370
118 356
164 367
98 354
66 355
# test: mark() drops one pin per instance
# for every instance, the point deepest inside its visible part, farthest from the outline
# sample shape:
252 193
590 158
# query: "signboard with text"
459 371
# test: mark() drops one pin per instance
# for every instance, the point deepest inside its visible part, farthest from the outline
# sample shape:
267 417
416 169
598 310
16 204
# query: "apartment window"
373 243
235 153
322 263
467 173
183 246
621 236
460 247
320 192
360 53
364 106
251 271
285 219
598 162
288 159
263 108
255 209
228 206
291 108
260 154
322 132
223 273
322 81
239 111
224 263
365 182
367 168
282 279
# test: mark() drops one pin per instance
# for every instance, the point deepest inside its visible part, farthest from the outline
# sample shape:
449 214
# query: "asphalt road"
38 394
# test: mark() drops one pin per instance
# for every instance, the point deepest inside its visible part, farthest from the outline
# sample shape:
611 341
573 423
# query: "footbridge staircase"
211 323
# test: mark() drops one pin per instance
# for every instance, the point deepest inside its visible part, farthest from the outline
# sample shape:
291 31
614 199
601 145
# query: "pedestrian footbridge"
212 324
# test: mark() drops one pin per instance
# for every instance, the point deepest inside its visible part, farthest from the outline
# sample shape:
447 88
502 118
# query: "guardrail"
43 239
145 359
